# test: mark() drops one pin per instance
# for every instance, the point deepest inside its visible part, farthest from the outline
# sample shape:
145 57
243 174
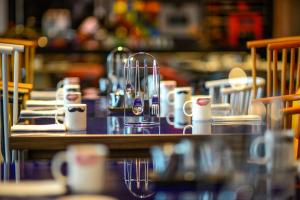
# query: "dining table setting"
143 137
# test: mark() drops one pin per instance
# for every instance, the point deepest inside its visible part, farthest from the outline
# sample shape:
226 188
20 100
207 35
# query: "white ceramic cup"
199 128
179 96
67 88
68 81
72 98
279 150
180 119
165 88
86 167
75 117
201 108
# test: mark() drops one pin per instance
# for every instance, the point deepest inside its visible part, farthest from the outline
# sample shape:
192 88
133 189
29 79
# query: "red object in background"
169 73
89 74
243 24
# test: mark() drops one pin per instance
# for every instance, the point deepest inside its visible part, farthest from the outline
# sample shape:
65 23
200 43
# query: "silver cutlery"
137 107
128 87
155 98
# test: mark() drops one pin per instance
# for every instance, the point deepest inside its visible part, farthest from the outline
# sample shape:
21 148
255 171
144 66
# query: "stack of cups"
177 98
165 88
75 113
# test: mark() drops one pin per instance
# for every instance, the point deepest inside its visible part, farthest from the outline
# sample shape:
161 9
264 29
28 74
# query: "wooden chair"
271 74
283 83
26 59
6 50
294 111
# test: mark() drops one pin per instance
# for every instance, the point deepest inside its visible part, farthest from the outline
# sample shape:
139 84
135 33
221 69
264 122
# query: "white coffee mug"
165 88
67 88
279 150
180 119
165 109
201 108
199 127
72 98
75 117
86 167
179 96
68 81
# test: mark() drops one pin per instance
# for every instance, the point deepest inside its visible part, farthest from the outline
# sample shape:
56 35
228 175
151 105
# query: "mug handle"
169 99
60 84
56 115
59 93
184 129
184 111
58 160
169 120
254 148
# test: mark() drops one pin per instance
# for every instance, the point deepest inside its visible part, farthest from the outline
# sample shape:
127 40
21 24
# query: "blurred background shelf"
190 38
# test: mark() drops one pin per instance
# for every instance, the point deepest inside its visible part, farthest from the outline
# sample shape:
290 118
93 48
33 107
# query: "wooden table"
109 130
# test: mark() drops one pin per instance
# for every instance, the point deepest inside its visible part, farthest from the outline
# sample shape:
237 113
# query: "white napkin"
236 118
43 103
38 128
37 113
32 188
43 95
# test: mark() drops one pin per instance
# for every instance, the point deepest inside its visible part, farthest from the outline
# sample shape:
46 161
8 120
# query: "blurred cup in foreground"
86 167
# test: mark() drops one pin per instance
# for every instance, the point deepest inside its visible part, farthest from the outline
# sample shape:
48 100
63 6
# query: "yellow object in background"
120 7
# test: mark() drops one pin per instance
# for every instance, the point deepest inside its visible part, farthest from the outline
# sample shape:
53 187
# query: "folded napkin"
43 103
43 95
40 113
236 118
38 128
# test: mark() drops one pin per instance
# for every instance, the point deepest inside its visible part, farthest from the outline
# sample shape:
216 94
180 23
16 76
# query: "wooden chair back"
272 76
26 58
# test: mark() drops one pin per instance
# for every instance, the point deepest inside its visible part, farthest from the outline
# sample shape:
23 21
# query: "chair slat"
275 62
283 71
269 76
298 70
292 69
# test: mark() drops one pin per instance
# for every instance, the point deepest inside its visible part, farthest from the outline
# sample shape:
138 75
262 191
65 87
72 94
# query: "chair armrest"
290 97
22 87
291 110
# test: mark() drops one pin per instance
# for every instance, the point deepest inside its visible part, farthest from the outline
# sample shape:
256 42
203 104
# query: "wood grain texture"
253 55
269 70
298 71
275 71
59 141
284 45
265 42
283 71
31 43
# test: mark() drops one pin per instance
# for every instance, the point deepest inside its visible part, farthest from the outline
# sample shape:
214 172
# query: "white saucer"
86 197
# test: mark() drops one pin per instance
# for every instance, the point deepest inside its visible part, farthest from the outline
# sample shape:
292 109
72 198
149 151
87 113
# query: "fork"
137 107
155 99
